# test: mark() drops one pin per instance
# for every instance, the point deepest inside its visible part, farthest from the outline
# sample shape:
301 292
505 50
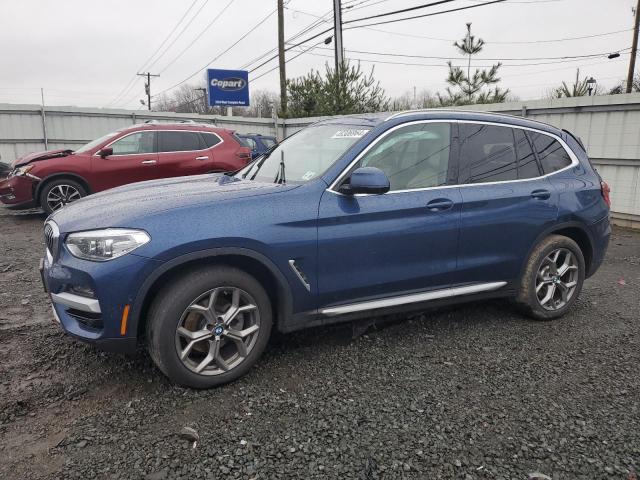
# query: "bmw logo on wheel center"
228 87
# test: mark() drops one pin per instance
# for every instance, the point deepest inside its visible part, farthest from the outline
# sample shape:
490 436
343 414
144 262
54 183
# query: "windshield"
305 155
94 143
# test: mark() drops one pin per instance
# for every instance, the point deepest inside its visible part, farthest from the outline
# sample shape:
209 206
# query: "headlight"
107 244
21 171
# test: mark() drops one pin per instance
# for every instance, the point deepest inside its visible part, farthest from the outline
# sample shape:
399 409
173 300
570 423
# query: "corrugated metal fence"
609 126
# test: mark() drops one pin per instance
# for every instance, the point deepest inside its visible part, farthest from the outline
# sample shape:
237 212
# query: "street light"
591 84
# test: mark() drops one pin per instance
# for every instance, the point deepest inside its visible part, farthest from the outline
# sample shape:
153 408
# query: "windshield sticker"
352 133
309 175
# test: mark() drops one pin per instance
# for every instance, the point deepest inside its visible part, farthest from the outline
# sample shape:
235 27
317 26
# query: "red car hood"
34 157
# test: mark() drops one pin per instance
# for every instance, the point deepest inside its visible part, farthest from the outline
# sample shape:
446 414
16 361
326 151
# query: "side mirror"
105 152
366 180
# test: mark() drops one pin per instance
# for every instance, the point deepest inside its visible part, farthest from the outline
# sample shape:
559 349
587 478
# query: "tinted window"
140 142
210 139
552 155
415 156
527 163
179 141
487 154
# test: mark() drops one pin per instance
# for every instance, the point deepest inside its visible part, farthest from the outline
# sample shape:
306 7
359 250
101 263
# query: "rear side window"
268 142
179 141
487 154
552 155
250 142
527 163
210 139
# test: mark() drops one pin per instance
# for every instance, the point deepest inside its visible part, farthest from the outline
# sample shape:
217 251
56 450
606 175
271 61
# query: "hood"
122 206
35 156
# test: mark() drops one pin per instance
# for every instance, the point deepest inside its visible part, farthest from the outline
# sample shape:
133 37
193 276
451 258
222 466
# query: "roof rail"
170 121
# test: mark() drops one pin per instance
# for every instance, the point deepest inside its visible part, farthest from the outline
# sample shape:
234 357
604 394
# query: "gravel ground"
472 392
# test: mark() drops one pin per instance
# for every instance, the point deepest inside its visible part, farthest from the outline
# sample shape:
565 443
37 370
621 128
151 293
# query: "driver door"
134 159
401 242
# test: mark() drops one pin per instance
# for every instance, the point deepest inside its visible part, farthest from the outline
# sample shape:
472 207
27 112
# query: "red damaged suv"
146 151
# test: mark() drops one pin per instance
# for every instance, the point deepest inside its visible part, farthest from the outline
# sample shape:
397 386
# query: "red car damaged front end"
18 189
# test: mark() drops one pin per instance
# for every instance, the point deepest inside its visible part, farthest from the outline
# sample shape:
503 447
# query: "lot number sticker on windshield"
352 133
309 175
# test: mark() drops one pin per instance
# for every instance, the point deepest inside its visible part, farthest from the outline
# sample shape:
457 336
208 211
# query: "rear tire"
195 338
58 193
552 279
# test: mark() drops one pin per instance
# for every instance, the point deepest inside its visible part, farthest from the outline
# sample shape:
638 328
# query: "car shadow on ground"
32 214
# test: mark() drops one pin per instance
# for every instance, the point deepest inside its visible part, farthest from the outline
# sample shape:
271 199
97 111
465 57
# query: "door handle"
149 162
202 158
541 194
439 204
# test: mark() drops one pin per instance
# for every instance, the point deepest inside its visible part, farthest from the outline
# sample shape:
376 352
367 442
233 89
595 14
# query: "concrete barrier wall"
609 126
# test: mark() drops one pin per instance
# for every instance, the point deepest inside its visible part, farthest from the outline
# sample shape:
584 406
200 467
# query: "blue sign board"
228 87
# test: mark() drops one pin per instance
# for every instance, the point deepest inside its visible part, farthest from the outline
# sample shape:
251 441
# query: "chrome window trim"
158 140
574 159
411 298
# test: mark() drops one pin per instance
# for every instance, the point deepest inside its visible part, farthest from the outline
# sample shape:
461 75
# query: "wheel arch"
57 176
250 261
576 232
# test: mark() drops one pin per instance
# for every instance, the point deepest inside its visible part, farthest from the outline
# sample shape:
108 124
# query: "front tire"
552 279
209 327
58 193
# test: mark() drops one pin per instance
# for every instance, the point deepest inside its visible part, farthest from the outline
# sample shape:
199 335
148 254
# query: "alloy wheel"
60 195
217 331
557 279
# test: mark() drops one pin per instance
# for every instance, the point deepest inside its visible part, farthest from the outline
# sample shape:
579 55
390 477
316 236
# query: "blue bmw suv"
351 217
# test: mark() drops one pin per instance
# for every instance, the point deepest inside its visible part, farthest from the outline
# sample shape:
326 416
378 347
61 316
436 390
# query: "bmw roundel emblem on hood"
229 84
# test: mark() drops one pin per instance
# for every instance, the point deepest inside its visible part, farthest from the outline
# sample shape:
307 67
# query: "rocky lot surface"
472 392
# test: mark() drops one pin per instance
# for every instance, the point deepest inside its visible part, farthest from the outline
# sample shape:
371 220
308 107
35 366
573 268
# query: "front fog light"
83 291
107 244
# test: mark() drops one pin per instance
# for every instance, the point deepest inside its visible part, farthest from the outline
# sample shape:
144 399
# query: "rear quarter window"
210 139
551 153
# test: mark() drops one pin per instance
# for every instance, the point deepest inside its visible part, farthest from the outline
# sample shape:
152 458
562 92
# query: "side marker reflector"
123 322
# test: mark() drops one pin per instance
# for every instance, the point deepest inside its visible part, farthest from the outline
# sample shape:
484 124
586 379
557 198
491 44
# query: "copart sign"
228 87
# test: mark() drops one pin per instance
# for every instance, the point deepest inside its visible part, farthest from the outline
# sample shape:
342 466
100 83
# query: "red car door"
134 159
182 153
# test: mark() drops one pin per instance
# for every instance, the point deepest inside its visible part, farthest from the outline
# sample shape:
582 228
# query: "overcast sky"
86 52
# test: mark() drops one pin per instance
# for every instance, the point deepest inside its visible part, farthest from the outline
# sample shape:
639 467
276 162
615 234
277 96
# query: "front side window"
179 142
414 156
305 155
139 142
552 155
487 154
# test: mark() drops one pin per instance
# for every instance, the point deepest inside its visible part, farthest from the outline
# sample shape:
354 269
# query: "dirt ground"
476 391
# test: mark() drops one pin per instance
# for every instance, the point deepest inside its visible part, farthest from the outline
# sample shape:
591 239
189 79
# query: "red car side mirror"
105 152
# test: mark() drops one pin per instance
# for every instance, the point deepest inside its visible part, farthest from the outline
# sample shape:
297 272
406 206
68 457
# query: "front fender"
284 306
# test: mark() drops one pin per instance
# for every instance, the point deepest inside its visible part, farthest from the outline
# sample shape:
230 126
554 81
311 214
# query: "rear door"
507 202
134 159
182 152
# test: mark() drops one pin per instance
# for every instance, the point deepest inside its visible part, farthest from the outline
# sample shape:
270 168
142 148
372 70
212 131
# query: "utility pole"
337 31
634 49
283 73
147 86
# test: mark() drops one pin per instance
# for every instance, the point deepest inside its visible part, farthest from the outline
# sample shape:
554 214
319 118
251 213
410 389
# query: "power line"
245 35
362 26
209 25
129 84
564 57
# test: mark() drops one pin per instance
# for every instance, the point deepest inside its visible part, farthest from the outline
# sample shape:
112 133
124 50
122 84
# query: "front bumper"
99 319
17 192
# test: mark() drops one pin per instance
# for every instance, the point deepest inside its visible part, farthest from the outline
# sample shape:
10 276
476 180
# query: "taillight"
604 188
245 154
